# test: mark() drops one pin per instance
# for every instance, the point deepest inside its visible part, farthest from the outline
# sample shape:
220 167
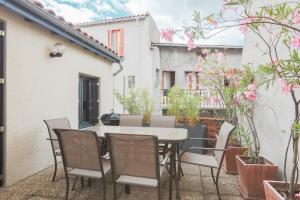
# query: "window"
192 80
131 82
88 101
116 40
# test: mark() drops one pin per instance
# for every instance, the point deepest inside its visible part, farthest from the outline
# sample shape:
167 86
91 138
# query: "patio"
197 184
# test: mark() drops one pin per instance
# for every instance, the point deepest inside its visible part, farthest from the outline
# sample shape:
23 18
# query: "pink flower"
250 95
296 19
285 87
220 55
191 44
244 25
296 42
297 195
213 100
236 100
252 87
168 34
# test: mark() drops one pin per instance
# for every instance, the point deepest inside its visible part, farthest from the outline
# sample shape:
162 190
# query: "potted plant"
138 101
224 83
186 106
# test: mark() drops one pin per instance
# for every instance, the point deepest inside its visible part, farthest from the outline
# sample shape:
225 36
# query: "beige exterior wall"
139 59
39 87
274 113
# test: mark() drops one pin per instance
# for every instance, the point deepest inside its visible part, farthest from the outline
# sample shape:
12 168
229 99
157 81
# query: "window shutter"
95 101
109 38
121 49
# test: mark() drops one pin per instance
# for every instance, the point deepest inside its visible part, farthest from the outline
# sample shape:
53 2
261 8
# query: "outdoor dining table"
173 136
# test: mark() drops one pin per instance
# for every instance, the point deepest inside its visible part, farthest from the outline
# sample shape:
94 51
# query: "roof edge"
114 20
198 46
34 11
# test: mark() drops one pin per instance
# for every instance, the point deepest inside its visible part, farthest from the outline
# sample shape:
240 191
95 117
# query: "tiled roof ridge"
146 14
71 25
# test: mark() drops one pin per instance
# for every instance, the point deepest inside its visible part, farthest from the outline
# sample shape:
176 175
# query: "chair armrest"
166 158
212 139
204 148
51 139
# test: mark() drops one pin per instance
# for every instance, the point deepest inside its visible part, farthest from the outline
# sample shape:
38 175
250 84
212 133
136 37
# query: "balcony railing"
205 96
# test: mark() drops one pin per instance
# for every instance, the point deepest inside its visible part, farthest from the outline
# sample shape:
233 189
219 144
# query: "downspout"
115 74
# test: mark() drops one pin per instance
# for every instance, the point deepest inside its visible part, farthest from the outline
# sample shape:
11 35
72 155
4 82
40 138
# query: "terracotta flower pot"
273 189
229 163
251 177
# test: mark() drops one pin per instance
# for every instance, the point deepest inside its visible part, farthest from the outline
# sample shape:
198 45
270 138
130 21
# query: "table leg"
127 189
176 147
172 158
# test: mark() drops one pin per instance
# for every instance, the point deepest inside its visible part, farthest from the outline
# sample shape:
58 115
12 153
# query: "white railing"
205 103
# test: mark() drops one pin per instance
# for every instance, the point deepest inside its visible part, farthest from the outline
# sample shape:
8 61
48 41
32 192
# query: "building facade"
131 37
35 86
177 65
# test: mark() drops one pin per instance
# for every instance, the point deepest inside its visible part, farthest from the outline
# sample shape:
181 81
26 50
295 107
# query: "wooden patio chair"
51 124
214 161
164 122
135 161
131 120
81 156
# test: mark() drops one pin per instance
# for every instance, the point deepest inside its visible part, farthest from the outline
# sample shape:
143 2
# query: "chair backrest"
80 149
163 121
223 139
60 123
131 120
134 155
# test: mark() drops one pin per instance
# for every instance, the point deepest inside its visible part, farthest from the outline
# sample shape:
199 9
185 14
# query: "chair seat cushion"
133 180
91 173
199 159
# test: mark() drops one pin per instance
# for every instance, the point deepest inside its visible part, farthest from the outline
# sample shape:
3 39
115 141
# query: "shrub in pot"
186 106
138 101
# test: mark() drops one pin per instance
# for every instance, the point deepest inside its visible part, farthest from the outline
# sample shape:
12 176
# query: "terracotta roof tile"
71 25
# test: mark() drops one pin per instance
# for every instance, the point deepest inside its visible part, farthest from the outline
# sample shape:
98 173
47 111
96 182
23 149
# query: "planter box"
273 189
229 163
198 131
213 125
251 177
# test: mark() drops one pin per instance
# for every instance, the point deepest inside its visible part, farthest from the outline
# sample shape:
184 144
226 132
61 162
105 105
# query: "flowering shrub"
277 26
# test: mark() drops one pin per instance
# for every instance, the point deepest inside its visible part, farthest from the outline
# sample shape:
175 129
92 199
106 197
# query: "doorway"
2 108
88 100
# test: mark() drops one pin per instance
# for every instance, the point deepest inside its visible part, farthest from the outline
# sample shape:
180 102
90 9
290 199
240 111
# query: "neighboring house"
131 37
177 63
35 86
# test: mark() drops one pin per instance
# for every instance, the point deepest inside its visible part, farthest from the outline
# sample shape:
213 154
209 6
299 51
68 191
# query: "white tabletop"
163 134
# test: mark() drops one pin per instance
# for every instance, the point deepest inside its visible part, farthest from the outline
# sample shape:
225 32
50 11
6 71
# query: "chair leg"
158 193
90 182
67 187
115 190
217 187
55 169
212 175
82 181
74 183
104 189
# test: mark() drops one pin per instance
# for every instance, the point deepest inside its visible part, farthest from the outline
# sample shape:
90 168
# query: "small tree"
138 101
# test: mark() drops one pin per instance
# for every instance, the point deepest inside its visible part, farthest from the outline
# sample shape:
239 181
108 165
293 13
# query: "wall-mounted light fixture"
57 50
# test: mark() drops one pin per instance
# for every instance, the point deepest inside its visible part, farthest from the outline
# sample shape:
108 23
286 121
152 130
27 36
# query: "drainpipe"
115 74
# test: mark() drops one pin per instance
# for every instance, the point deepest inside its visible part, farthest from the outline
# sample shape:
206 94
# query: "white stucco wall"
39 87
139 58
274 111
180 60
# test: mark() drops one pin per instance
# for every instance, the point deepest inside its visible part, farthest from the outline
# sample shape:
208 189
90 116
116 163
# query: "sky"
166 13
